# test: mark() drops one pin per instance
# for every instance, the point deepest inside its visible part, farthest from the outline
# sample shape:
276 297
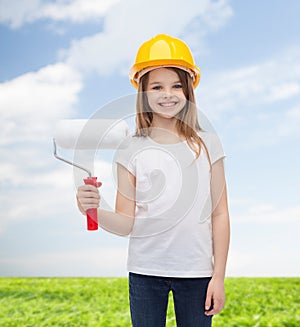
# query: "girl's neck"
168 124
164 130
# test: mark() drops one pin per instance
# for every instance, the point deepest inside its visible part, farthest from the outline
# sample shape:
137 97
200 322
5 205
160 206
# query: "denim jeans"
149 300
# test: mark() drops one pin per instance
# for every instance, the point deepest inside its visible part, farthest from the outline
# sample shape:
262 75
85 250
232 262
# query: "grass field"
79 302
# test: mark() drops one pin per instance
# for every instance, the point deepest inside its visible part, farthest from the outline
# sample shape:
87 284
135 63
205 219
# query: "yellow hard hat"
163 51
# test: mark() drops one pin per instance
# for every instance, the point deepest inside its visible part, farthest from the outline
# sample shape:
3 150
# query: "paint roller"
81 134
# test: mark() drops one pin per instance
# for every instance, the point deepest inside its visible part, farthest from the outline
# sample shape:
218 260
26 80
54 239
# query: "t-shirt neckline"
166 144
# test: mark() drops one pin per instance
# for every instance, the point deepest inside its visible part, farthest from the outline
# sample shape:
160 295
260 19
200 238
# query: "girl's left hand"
215 296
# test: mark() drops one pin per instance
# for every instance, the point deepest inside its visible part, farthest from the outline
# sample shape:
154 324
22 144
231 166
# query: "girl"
171 195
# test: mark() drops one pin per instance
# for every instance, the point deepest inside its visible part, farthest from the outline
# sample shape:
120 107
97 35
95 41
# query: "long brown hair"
187 119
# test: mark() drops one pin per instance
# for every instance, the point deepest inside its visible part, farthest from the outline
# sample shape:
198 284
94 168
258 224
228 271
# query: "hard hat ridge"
163 51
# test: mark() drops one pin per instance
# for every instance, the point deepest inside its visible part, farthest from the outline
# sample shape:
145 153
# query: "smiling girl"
171 195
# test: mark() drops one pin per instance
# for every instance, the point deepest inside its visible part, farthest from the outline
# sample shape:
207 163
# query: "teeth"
168 104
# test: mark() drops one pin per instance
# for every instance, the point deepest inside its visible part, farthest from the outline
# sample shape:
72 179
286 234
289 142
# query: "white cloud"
31 103
274 125
75 11
132 22
264 262
16 13
96 261
31 194
248 211
284 91
260 85
289 125
30 106
263 97
264 239
218 14
50 186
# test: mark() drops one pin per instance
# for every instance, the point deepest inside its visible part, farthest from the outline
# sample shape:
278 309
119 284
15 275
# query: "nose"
168 92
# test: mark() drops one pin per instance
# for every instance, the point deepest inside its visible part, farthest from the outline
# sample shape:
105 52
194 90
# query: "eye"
156 88
177 86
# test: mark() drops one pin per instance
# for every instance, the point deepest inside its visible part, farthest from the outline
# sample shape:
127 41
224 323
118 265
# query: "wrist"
218 276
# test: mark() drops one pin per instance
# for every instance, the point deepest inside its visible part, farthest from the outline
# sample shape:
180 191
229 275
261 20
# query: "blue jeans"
149 300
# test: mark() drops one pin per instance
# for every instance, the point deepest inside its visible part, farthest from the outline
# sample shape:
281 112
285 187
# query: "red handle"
91 214
92 219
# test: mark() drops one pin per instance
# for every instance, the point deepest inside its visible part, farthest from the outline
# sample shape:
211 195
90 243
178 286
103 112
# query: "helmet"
163 51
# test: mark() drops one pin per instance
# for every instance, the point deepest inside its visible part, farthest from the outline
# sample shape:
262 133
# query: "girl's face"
164 93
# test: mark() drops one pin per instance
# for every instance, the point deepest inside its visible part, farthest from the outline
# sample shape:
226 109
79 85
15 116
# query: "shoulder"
208 137
213 144
129 147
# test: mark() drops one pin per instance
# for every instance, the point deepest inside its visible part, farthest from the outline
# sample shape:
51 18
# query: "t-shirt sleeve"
124 155
216 150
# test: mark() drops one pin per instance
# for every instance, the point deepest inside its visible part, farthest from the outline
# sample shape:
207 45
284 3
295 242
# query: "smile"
167 104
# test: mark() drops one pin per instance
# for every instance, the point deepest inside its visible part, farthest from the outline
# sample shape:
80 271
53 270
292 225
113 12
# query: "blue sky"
67 59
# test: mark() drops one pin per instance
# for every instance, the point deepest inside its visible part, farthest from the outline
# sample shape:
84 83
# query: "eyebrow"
161 82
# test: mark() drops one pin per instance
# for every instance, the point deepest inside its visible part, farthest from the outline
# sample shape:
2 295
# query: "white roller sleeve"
83 134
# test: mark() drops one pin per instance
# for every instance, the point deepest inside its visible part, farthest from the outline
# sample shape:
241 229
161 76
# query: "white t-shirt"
172 232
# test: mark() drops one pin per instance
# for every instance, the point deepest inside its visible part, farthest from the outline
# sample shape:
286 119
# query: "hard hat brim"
140 69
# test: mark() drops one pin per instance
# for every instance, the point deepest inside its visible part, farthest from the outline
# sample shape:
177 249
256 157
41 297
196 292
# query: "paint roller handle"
91 214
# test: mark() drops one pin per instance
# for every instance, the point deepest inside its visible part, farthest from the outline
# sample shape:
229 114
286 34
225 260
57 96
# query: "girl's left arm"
221 234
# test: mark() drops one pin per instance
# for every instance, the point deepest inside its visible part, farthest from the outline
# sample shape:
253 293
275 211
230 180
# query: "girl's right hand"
88 197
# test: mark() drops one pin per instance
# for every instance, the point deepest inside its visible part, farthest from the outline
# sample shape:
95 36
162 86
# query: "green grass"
79 302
